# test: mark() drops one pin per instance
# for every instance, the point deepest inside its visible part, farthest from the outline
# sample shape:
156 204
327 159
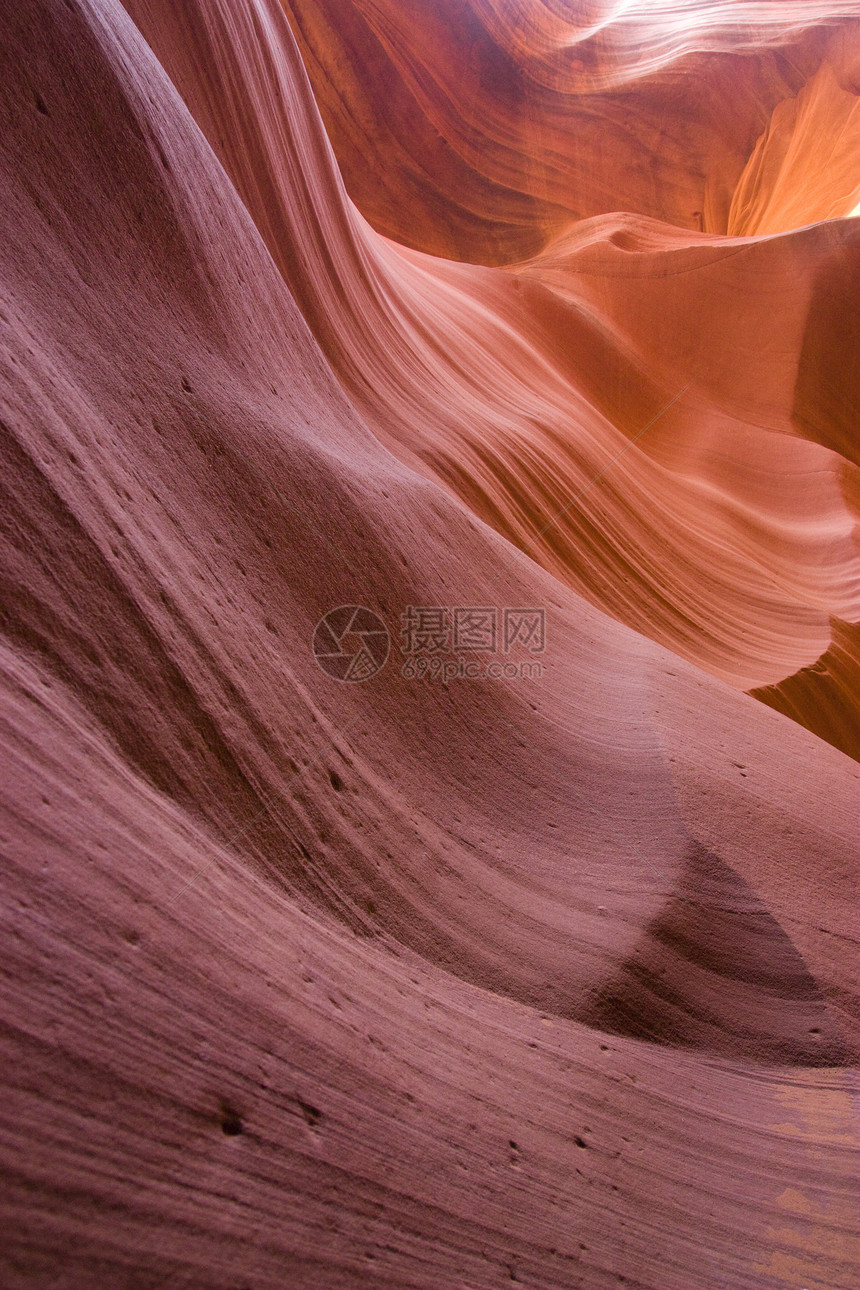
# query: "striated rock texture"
402 983
721 371
502 120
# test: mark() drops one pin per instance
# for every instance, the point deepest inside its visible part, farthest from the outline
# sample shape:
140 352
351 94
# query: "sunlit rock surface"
549 981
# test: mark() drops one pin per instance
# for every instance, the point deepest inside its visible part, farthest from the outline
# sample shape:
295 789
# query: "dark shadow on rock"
827 391
715 971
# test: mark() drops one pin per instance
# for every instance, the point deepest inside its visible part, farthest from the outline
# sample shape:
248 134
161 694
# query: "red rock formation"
400 983
720 534
823 696
805 166
503 120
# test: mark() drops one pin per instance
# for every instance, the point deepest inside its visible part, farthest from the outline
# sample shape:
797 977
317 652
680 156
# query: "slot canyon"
430 644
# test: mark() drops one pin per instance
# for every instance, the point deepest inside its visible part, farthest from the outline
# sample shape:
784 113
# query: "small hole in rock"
336 781
580 1142
311 1114
231 1122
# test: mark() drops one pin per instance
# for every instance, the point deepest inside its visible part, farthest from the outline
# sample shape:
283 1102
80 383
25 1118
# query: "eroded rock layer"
401 983
475 130
663 419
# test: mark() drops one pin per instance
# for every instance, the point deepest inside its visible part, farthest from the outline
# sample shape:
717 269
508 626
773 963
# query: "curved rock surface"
503 120
404 983
724 523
